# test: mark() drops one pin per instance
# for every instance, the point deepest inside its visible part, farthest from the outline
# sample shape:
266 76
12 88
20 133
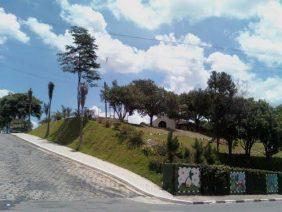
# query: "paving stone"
27 173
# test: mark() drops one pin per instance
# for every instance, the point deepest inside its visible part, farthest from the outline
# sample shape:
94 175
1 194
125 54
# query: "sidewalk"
131 179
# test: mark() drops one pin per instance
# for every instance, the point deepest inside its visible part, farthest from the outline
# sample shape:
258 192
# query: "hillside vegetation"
107 140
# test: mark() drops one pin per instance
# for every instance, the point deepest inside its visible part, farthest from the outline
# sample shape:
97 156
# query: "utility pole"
106 107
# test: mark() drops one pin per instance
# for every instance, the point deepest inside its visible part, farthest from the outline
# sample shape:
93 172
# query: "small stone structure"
164 122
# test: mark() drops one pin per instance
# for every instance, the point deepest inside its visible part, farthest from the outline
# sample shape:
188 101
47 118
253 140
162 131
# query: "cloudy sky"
177 43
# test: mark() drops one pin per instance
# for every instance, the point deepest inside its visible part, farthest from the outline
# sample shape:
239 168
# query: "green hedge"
255 182
280 183
215 180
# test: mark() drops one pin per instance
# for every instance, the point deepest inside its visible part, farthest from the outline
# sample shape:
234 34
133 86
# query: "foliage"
66 111
215 180
51 87
81 59
150 98
17 106
120 98
198 152
221 89
255 182
195 106
172 146
210 154
128 133
57 116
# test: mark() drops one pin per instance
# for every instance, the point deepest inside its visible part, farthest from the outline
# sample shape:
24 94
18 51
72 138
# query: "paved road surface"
124 205
35 180
27 173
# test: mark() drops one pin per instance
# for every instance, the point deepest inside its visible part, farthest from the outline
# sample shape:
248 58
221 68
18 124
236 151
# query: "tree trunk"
230 148
197 124
151 121
217 145
48 121
78 93
81 131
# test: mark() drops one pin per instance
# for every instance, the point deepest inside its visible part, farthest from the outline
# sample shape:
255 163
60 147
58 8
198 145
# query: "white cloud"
230 64
269 88
82 16
181 65
10 28
136 118
45 32
263 38
4 92
156 12
176 62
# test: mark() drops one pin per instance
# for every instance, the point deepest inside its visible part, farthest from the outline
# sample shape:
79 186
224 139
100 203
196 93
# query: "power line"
33 74
212 46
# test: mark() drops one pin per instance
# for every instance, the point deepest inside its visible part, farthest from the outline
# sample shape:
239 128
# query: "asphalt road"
36 180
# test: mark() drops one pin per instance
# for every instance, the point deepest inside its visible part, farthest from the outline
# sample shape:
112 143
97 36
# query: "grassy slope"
100 142
103 143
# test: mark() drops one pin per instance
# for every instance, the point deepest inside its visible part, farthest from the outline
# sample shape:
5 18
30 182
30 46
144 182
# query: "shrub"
135 138
280 183
215 180
184 154
210 155
116 125
172 146
199 152
156 164
107 124
255 182
156 149
131 135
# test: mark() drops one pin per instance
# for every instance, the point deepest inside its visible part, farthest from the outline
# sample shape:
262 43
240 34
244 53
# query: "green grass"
100 142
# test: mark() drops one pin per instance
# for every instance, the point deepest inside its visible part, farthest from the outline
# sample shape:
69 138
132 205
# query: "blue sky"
192 38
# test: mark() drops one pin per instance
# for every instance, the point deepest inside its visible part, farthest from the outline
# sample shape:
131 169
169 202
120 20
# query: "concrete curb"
169 198
237 201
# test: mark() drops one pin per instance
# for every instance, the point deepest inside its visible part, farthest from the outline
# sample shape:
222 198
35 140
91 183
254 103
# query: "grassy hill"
102 139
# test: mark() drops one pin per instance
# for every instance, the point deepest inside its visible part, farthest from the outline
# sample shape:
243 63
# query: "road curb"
137 190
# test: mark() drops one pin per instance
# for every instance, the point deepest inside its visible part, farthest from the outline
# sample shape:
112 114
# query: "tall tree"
248 128
50 95
221 89
81 59
121 99
66 111
16 106
83 92
195 106
231 120
150 98
29 93
269 130
46 109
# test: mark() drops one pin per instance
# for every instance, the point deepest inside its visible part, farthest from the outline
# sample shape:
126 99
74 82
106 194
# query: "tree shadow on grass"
67 132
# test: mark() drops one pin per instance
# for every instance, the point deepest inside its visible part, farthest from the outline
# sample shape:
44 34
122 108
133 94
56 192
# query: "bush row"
215 180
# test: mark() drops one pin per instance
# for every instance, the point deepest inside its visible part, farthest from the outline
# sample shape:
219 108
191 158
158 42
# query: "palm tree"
46 109
83 90
50 95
